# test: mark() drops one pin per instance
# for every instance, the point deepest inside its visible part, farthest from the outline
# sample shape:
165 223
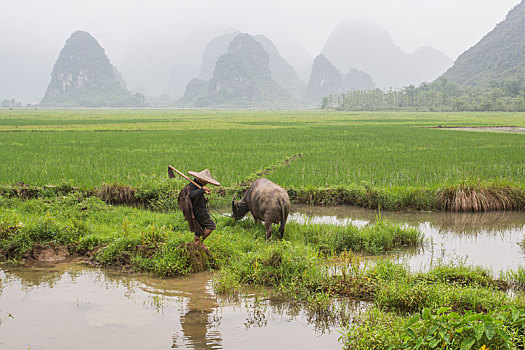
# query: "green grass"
314 265
503 328
386 160
381 150
151 240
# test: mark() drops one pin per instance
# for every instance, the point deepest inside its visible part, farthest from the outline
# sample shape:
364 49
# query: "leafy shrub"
440 328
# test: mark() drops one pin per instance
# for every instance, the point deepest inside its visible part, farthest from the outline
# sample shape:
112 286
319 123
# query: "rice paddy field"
89 147
100 158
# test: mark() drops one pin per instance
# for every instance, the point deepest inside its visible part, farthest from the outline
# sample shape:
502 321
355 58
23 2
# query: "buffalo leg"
268 226
281 230
255 218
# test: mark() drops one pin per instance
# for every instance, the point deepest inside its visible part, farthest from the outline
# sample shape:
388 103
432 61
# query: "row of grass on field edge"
162 195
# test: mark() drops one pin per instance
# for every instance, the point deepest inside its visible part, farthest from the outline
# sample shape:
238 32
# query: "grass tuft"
478 197
116 193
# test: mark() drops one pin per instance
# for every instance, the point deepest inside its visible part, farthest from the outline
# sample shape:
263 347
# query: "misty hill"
498 57
241 78
282 72
196 94
369 48
215 49
356 80
298 58
326 79
188 62
83 76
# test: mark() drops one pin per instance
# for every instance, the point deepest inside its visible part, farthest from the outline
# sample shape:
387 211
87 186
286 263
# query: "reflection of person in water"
197 322
195 327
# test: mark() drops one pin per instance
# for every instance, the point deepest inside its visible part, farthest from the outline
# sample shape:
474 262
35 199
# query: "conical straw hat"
204 176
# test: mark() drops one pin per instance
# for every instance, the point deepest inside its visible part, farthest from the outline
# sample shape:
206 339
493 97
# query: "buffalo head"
239 209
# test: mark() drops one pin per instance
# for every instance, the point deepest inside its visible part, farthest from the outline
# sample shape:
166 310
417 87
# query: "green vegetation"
439 328
442 95
80 163
314 265
450 305
152 241
392 160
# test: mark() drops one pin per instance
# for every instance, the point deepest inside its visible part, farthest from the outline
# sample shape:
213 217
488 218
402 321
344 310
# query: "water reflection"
195 324
490 239
461 223
474 223
70 305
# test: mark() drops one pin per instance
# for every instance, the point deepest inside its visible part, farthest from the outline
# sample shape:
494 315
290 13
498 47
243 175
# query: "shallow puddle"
70 306
489 239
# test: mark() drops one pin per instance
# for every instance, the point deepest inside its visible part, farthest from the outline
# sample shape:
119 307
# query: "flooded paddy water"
71 305
489 239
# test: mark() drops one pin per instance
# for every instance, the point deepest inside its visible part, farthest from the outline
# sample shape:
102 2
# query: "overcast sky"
36 30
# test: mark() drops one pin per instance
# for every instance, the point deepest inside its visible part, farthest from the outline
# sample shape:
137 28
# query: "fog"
147 40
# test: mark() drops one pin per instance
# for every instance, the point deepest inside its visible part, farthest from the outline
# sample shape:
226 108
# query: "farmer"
193 204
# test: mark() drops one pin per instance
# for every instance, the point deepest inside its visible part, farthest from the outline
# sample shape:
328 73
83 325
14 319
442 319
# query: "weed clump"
116 193
477 197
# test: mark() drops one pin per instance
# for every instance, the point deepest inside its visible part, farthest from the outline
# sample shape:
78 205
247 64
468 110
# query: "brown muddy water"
71 306
488 239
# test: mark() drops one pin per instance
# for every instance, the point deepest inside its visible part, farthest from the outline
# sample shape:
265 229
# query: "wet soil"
48 254
199 256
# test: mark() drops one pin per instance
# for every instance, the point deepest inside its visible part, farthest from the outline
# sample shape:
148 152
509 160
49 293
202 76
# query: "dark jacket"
198 202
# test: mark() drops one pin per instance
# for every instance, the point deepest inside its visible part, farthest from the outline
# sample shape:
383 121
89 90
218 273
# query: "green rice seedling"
515 278
409 297
374 329
388 271
371 151
277 263
374 238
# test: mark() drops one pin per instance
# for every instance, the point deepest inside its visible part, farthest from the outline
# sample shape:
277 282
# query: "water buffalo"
267 202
